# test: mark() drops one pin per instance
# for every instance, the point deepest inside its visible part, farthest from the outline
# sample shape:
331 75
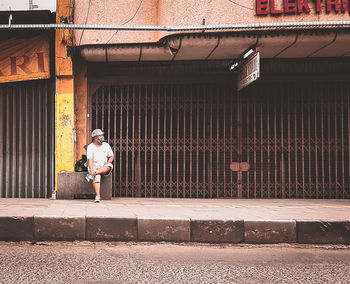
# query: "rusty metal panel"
206 141
26 139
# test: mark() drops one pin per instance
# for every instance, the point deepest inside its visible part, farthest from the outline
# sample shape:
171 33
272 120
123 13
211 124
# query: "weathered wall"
64 101
179 12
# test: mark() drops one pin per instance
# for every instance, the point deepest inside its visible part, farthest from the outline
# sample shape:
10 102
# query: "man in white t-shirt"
100 158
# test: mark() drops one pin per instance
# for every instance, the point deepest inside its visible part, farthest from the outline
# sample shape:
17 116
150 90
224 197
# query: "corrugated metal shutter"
27 139
179 140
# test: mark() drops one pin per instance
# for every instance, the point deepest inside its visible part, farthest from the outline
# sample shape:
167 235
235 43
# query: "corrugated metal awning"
219 46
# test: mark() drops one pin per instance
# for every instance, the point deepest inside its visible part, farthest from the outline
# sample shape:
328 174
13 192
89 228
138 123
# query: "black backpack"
80 166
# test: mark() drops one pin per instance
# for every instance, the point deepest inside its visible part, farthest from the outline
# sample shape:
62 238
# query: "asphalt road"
85 262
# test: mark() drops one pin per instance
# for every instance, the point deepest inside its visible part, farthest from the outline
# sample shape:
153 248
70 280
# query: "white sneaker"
89 177
97 199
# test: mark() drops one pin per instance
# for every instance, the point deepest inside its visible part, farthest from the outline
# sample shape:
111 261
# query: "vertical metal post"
211 148
152 137
309 148
261 150
335 100
316 142
247 114
289 149
342 140
191 128
302 142
184 143
282 150
158 141
40 143
164 141
255 144
231 141
224 127
177 140
133 144
198 123
268 145
296 145
217 142
146 141
171 140
138 171
121 154
239 140
204 139
329 143
275 142
33 162
127 141
322 147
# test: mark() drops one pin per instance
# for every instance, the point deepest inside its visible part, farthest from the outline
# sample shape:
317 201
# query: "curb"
183 229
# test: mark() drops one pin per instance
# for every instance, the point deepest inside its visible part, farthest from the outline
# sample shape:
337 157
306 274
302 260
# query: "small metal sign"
240 167
249 71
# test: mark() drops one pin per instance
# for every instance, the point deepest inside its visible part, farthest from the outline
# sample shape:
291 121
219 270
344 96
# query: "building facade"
169 103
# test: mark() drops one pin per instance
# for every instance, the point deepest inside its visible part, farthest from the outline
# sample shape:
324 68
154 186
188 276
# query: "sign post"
249 71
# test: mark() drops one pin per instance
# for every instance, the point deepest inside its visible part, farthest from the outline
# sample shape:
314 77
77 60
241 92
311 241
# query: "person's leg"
103 171
97 184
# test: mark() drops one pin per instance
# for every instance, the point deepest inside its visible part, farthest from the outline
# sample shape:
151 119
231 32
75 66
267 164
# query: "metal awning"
220 46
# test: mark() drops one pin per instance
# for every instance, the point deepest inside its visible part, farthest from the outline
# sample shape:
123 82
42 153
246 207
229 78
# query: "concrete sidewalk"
176 220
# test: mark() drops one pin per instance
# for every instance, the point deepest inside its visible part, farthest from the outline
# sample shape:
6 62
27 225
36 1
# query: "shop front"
180 128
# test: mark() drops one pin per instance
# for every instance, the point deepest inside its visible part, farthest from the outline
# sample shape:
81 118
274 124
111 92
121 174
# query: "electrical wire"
240 5
86 19
128 21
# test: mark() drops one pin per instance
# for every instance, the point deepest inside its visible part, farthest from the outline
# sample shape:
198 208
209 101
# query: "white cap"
97 132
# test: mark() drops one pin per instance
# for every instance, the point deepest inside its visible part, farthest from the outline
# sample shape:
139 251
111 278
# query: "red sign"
24 59
287 7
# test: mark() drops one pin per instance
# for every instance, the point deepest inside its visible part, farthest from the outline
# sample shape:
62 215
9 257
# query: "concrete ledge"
54 228
72 184
323 232
16 228
111 229
269 232
157 229
217 231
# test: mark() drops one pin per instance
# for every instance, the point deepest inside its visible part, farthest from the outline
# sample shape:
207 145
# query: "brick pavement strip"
269 232
323 232
16 228
161 229
217 231
56 228
111 229
156 220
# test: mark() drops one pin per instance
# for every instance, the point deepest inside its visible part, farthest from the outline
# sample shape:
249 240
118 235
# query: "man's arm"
91 167
110 160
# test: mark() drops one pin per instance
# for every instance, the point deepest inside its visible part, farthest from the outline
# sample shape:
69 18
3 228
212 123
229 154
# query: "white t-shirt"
99 154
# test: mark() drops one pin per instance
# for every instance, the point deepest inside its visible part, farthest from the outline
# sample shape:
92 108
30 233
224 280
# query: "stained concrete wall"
179 12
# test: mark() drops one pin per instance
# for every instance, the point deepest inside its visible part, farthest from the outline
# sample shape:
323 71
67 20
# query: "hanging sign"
249 71
24 59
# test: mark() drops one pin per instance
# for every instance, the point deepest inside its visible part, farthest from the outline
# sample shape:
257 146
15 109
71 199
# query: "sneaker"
97 199
89 177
